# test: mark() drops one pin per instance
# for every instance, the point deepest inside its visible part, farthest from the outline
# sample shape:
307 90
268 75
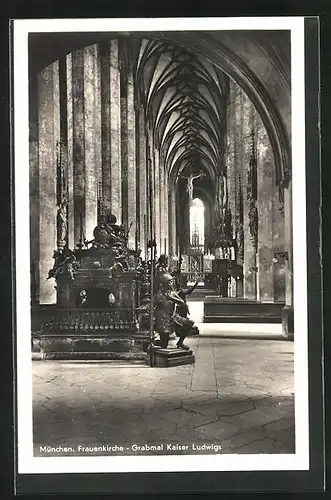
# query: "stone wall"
250 172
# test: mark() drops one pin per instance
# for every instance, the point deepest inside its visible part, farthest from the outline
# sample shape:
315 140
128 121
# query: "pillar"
265 169
48 136
287 312
34 191
131 158
249 268
279 266
172 220
78 143
166 209
105 113
288 245
157 201
162 206
71 219
142 176
92 139
115 132
230 161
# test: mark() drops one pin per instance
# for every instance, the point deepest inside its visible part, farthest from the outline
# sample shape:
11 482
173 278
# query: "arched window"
197 222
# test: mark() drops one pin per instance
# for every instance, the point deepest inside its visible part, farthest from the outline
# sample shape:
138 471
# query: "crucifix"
190 180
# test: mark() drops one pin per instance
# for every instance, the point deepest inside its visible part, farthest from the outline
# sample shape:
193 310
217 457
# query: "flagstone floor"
238 396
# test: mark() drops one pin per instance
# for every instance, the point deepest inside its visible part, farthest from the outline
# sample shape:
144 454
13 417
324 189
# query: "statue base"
165 358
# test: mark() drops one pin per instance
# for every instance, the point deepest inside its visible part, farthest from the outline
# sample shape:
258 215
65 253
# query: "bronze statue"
166 318
183 325
161 268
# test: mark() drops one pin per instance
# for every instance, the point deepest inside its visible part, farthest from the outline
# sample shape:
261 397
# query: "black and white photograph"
161 267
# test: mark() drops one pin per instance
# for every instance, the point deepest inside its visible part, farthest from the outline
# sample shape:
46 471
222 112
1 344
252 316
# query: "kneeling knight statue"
167 318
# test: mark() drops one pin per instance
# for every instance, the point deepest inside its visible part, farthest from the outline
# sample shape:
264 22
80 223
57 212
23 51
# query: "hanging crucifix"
190 180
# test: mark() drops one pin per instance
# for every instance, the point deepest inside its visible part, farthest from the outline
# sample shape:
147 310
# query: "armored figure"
161 269
166 319
184 325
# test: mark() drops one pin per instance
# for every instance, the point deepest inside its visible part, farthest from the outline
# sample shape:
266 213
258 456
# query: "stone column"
48 136
78 143
157 201
287 313
230 160
288 245
172 220
92 145
235 105
124 161
279 265
249 270
265 169
162 205
142 159
71 220
131 157
115 132
106 121
166 210
34 191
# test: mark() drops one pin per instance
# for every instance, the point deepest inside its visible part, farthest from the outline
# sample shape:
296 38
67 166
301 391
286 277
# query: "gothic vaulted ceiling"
185 98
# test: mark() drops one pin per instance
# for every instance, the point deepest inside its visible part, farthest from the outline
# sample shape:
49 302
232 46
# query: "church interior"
185 139
160 168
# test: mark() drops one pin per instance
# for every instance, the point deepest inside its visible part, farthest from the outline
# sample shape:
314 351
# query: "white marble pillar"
48 136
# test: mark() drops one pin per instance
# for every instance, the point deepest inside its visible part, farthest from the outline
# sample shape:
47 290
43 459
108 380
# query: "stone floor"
237 396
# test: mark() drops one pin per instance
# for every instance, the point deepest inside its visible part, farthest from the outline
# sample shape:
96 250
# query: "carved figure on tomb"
101 236
116 270
64 264
108 234
111 299
82 300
